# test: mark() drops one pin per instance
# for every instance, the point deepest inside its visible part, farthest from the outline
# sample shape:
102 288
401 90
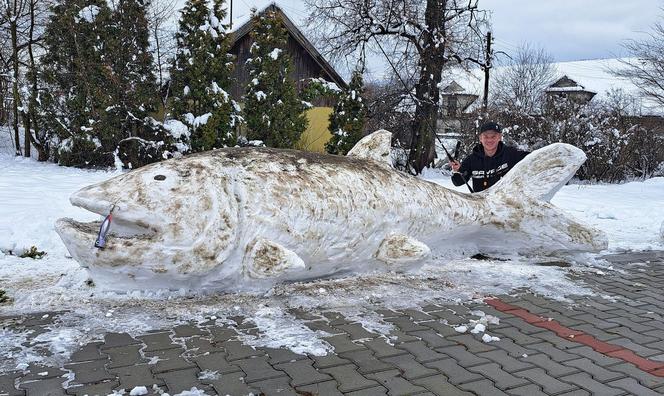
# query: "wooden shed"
307 63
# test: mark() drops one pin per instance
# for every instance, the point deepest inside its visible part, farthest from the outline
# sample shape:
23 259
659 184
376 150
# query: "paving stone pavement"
591 346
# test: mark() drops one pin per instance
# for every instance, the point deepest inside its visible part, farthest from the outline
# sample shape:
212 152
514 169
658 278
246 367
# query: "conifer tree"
139 139
76 74
273 112
348 118
201 76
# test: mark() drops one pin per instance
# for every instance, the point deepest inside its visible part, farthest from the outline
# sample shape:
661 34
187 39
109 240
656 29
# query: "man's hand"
455 165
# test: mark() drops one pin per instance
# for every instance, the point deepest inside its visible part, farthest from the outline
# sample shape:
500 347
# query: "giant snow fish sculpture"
245 218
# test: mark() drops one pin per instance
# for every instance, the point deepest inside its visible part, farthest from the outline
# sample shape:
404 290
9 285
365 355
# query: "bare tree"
432 32
519 86
12 21
162 37
389 106
20 25
645 67
5 61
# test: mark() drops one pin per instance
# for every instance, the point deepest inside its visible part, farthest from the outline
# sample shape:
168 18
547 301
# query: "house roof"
566 84
453 88
292 29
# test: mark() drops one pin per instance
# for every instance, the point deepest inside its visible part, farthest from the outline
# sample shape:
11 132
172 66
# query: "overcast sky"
566 29
572 29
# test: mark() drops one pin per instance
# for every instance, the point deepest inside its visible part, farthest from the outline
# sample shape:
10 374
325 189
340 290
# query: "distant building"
307 63
452 117
454 101
569 89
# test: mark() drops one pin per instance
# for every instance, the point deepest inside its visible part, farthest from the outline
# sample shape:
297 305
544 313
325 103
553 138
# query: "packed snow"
33 195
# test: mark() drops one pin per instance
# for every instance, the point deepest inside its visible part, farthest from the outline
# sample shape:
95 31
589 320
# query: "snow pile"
177 129
246 230
480 326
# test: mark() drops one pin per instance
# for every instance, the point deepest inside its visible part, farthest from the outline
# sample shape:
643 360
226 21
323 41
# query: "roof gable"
296 34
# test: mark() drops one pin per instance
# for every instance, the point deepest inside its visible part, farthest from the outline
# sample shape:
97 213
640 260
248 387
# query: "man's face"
490 140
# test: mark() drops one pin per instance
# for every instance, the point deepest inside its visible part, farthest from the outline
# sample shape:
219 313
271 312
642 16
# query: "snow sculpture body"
245 218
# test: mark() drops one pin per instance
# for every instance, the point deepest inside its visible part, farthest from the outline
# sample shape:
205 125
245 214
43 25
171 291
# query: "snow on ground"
33 195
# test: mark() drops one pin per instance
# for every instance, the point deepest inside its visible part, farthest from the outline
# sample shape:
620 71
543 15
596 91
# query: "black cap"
490 126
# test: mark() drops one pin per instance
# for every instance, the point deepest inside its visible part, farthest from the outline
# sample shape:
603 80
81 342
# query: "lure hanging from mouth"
103 230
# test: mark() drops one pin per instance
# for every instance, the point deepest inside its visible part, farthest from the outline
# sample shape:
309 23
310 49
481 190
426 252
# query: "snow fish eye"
160 177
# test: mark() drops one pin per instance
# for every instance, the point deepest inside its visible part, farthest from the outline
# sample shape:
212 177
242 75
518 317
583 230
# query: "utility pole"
487 67
230 18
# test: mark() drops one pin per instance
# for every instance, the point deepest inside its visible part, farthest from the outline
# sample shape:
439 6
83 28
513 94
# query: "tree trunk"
427 93
37 141
159 67
15 95
26 132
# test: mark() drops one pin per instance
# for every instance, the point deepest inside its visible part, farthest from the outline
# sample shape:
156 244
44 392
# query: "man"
489 161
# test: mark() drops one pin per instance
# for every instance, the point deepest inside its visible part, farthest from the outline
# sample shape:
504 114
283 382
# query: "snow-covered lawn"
33 195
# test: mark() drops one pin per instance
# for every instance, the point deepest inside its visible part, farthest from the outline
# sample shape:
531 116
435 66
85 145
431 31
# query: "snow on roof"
575 88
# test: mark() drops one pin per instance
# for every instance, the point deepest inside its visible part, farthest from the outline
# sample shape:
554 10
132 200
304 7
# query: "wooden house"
307 63
567 88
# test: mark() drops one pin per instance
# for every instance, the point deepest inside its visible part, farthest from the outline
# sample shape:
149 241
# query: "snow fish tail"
519 202
543 172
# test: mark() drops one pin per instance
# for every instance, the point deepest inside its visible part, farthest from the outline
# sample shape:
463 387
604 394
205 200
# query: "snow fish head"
172 220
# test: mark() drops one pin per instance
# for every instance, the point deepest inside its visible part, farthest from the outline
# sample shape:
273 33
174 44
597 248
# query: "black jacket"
486 171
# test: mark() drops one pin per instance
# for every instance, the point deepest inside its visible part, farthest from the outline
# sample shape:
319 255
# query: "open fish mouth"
122 227
119 229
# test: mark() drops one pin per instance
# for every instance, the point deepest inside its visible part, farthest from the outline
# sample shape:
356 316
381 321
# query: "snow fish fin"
267 259
376 146
399 249
542 173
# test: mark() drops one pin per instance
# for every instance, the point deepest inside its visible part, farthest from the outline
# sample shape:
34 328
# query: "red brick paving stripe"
642 363
562 331
500 305
616 351
594 343
527 316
